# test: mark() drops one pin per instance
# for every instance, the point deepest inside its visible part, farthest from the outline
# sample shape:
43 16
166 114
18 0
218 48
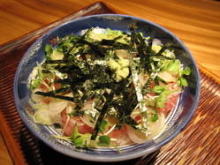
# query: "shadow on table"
37 153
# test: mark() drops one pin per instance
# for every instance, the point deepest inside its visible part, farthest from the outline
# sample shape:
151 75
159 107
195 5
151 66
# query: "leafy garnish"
104 140
186 71
162 99
183 82
78 139
153 116
48 50
173 67
158 89
103 125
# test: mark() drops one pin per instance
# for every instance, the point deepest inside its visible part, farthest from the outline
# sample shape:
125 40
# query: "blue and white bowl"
176 122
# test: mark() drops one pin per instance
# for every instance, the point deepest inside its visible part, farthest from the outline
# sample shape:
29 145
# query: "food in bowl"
107 88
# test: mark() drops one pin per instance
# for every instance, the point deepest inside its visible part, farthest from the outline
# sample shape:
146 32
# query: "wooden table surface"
196 22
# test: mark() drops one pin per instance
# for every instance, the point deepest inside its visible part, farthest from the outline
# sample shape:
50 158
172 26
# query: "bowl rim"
103 158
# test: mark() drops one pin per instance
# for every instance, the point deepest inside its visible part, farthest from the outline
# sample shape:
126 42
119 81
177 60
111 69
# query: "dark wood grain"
197 144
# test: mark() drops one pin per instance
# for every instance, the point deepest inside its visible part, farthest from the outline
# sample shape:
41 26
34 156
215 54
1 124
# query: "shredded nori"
102 114
87 80
50 94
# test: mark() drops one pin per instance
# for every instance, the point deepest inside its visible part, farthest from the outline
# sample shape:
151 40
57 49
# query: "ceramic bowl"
176 122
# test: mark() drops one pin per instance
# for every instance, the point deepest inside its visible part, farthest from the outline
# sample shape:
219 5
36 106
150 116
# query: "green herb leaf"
173 67
183 82
162 99
153 116
78 139
103 125
104 140
186 71
159 89
35 83
48 50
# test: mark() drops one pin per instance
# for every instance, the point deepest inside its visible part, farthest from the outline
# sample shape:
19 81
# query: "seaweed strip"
104 110
56 96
